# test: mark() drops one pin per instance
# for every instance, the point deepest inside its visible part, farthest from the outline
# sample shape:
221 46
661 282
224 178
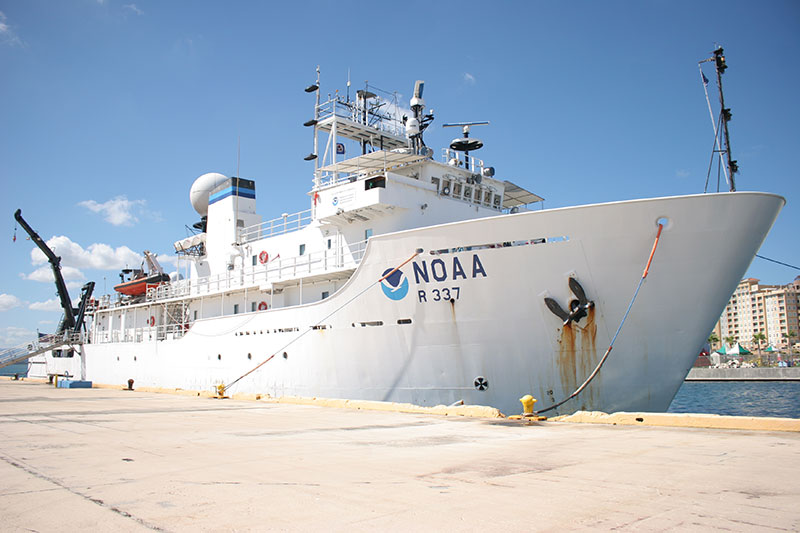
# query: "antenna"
417 124
724 117
465 144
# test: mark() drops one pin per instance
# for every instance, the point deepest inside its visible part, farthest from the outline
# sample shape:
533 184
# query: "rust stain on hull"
577 354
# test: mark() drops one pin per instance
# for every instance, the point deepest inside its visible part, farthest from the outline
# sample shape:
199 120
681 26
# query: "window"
367 233
377 181
302 249
255 260
235 309
253 307
325 294
195 315
329 244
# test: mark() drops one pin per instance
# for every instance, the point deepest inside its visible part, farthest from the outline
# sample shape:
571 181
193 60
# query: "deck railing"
276 226
276 270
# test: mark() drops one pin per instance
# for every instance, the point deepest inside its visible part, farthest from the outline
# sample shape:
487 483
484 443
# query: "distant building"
769 309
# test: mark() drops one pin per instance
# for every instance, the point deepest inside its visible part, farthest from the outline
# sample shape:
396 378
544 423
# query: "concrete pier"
745 374
114 460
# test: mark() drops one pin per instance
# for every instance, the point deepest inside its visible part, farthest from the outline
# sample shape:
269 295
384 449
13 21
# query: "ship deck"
136 461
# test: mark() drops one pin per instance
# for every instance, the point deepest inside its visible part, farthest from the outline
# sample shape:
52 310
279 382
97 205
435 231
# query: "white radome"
201 188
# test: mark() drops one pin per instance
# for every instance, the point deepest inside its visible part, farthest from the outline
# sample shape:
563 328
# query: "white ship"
428 282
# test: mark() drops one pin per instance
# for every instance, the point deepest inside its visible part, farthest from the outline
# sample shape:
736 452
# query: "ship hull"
468 322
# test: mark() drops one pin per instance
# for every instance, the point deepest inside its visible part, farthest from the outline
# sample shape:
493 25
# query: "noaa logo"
335 200
395 287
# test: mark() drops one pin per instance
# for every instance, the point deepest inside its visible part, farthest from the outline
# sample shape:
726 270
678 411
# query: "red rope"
653 251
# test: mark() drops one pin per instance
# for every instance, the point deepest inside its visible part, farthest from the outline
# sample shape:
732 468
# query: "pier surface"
113 460
745 374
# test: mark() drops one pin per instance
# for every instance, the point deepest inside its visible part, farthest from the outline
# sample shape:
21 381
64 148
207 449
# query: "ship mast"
719 61
725 114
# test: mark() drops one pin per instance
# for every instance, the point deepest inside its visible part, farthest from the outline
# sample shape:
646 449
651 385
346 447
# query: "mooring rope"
776 261
614 339
319 322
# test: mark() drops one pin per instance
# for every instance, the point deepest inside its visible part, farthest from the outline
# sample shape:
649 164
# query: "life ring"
152 321
263 306
263 257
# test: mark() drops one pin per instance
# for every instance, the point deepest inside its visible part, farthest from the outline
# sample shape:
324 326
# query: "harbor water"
739 398
20 369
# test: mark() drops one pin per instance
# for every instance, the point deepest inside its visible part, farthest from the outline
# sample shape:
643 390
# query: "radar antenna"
465 144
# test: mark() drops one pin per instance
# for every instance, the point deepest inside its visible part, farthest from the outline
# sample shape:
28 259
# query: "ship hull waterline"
472 324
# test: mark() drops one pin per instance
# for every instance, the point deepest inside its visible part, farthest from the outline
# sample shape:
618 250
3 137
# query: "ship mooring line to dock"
614 338
224 388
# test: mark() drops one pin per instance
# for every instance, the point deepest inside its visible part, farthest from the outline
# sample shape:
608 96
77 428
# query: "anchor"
578 307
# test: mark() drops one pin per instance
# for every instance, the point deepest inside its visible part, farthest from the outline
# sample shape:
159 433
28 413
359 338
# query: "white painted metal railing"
279 269
276 226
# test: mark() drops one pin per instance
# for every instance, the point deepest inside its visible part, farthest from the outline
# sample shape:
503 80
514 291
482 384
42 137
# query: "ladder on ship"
44 344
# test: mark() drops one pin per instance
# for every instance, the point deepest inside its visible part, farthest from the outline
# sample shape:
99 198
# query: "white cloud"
118 211
8 302
133 8
45 274
97 256
54 304
682 173
469 78
12 336
7 33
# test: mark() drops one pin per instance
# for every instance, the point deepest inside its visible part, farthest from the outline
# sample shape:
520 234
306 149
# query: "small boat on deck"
138 286
140 279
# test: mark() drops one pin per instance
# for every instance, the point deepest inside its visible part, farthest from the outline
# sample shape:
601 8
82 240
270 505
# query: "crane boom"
55 264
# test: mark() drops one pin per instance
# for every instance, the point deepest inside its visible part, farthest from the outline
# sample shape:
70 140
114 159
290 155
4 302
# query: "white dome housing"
201 188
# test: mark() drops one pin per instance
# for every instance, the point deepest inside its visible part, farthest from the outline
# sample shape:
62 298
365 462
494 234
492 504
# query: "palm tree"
791 335
730 340
713 339
758 338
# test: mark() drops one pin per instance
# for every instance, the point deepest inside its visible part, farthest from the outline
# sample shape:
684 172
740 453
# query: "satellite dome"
201 188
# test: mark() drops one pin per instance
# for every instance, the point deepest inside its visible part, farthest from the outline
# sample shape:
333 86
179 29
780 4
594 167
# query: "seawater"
739 398
16 368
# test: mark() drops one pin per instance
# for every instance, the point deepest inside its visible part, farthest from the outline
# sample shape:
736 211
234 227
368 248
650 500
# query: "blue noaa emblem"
395 287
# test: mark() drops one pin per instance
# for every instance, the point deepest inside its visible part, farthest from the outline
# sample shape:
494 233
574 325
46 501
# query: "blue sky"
111 109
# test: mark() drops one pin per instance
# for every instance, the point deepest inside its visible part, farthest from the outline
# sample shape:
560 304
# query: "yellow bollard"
527 404
55 381
221 390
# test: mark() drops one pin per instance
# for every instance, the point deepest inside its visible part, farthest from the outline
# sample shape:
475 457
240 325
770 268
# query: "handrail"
279 269
34 347
276 226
